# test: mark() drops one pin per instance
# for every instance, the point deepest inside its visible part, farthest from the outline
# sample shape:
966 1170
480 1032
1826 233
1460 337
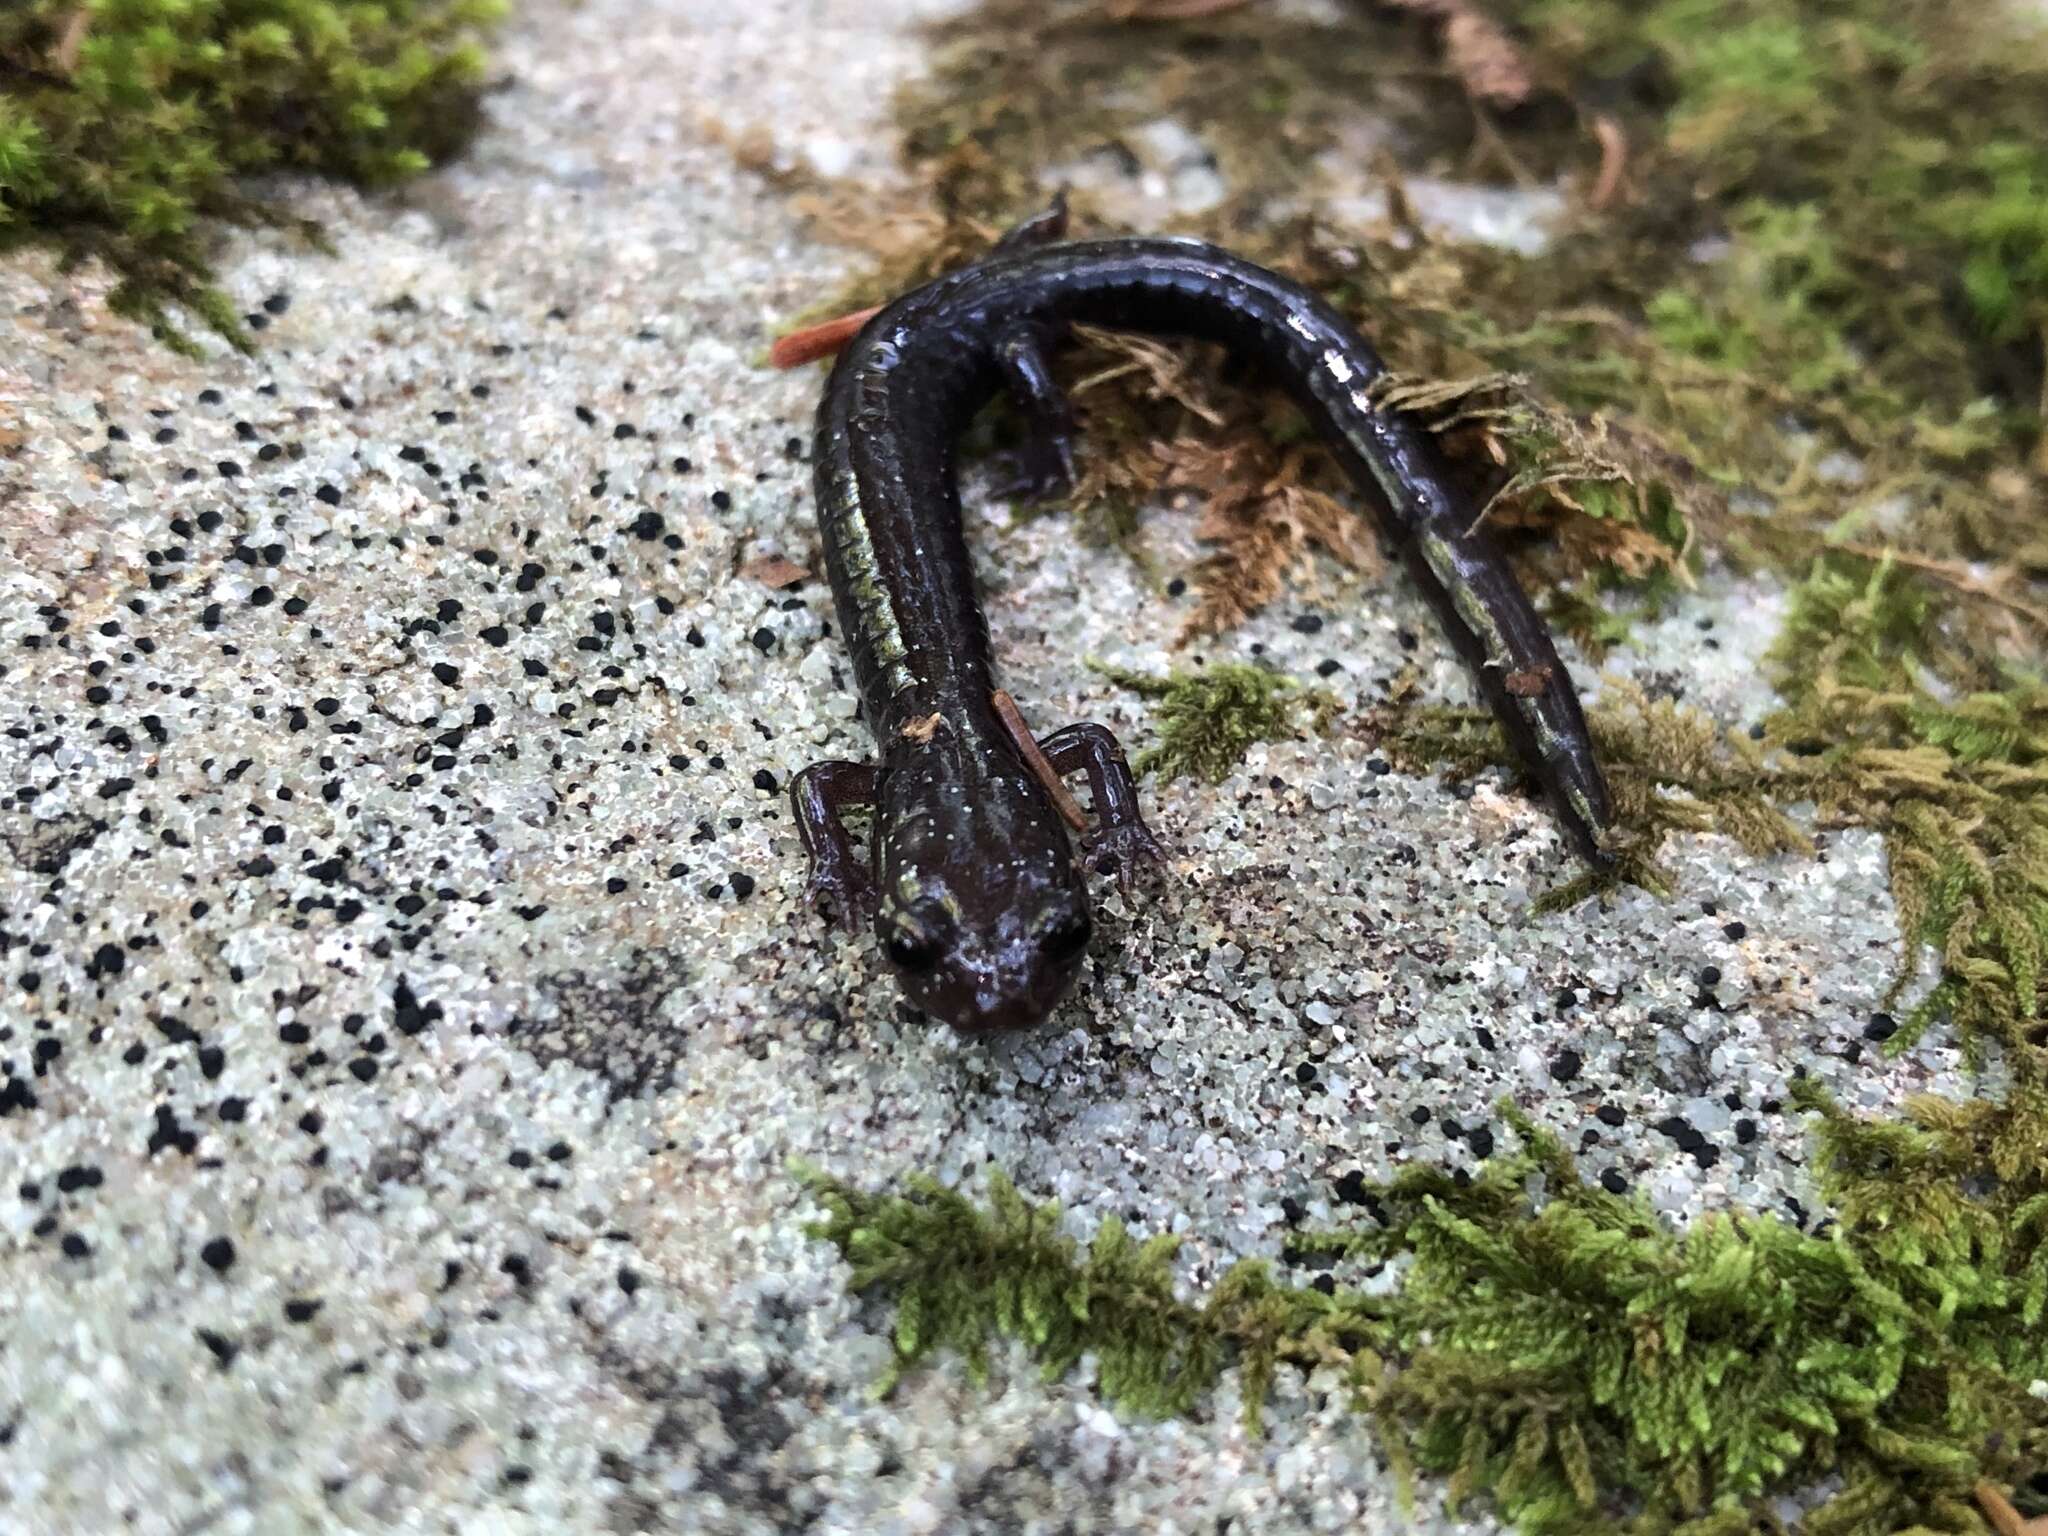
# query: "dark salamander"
975 893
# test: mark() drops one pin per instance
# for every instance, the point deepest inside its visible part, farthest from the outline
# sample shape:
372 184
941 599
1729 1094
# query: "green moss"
961 1278
1591 1368
1878 175
1895 728
127 126
1209 718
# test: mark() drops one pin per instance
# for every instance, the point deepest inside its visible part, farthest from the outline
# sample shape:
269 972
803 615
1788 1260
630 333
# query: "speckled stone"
406 1013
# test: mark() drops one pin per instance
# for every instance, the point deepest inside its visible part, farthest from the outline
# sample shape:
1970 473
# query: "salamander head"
984 915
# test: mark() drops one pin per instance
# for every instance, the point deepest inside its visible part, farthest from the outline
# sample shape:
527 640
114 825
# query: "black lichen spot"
166 1132
78 1176
610 1025
410 1016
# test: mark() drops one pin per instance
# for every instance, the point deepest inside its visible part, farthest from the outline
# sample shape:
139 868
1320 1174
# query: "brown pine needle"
1483 56
1170 10
1955 575
2004 1519
65 54
1613 161
1027 748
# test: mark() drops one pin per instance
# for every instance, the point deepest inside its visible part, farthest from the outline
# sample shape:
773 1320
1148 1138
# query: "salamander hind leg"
1046 463
1121 835
1041 228
839 878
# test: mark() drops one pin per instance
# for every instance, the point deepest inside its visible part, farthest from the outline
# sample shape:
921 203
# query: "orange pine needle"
816 341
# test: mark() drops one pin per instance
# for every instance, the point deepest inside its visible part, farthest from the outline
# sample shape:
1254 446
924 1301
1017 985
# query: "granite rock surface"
406 1009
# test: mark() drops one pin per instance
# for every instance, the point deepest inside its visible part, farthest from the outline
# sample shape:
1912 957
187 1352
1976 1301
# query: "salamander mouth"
1003 1004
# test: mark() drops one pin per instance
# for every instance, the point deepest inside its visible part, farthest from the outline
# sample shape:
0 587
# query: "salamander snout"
1004 973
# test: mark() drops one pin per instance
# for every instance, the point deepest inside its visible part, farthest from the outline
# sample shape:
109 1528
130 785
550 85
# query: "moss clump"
1589 1366
1878 166
961 1277
1211 717
125 124
1893 728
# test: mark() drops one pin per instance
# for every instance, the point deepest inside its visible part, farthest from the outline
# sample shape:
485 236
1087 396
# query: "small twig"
816 341
1491 139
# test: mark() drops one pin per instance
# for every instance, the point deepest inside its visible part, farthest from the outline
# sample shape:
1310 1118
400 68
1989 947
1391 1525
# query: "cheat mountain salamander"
976 897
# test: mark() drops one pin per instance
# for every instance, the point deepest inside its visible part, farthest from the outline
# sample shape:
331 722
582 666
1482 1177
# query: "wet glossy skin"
971 879
983 913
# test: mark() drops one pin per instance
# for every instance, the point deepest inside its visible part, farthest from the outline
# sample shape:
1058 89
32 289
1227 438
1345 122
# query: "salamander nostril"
913 955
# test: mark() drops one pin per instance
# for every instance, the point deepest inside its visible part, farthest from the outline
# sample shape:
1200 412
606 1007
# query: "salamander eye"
911 954
1069 938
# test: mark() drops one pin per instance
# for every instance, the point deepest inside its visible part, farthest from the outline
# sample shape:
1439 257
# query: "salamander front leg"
1121 833
839 876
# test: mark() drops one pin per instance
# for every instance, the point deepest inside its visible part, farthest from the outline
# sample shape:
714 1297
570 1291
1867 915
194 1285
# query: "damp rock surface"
407 1012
